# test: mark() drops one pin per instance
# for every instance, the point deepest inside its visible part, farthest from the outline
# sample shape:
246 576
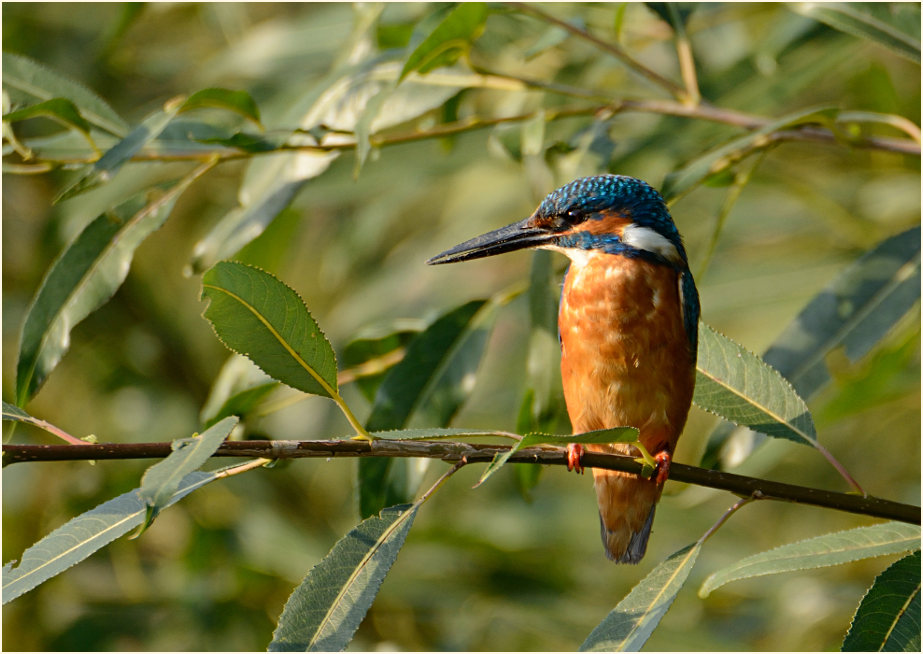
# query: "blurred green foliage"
481 569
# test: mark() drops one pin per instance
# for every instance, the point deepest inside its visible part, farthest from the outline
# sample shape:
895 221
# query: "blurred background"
482 569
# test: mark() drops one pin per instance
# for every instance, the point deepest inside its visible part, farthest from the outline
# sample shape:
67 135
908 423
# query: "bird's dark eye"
574 216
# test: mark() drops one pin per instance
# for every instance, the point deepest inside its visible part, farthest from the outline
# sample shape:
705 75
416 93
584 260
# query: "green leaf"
379 346
34 80
238 389
432 433
829 549
105 168
720 159
613 435
255 314
80 537
161 481
60 109
84 277
634 619
736 385
853 313
325 610
852 18
888 618
429 384
451 38
239 102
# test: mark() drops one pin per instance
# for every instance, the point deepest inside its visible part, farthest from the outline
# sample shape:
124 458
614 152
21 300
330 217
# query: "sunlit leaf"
853 313
34 80
829 549
451 38
324 611
255 314
634 619
84 277
888 618
60 109
161 481
853 19
239 102
80 537
105 168
736 385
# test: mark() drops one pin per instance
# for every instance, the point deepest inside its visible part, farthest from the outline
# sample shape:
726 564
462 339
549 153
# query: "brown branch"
479 453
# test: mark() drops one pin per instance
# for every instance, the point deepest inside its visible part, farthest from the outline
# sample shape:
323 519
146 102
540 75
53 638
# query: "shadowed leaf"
255 314
450 39
888 618
324 611
634 619
853 19
239 102
60 109
829 549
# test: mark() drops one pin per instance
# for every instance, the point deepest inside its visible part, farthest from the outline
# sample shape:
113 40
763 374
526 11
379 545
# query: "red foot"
574 452
663 466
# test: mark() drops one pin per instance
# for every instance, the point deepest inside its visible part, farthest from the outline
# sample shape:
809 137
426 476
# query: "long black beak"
517 236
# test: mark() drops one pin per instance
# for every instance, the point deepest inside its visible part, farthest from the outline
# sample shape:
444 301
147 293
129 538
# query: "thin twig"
452 451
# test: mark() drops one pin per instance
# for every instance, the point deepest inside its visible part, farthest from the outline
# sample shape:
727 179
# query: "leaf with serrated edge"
888 618
821 551
38 81
738 386
257 315
634 619
84 277
82 536
325 610
161 480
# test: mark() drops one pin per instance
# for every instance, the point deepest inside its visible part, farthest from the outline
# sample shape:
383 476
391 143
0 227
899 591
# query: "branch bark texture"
452 451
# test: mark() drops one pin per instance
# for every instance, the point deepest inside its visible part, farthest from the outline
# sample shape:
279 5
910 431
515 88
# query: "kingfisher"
627 323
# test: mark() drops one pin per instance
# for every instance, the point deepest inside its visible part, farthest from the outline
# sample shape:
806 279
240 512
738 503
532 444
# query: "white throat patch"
645 238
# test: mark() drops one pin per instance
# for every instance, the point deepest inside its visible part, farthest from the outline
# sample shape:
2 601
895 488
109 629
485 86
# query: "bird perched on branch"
628 324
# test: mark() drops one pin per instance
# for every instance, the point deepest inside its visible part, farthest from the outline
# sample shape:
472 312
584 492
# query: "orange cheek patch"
609 222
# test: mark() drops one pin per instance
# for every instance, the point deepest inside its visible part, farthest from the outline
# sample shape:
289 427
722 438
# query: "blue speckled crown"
619 192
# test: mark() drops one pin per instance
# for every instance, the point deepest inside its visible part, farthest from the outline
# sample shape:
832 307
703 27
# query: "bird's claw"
662 471
574 452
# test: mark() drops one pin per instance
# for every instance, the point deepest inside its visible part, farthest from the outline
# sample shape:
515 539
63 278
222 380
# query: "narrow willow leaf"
239 102
34 80
613 435
325 610
255 314
80 537
85 276
451 38
720 159
433 379
854 312
105 168
888 618
60 109
634 619
736 385
161 481
425 434
238 389
829 549
853 19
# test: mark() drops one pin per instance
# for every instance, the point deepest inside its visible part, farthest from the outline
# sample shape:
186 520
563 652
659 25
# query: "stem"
685 57
479 453
728 514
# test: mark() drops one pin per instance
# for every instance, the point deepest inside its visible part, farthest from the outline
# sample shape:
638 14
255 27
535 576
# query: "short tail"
626 513
637 541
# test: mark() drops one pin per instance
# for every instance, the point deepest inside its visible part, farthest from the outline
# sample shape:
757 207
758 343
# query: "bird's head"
611 214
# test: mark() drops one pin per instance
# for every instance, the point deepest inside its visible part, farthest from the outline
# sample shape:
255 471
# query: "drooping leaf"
85 276
60 109
105 168
613 435
34 80
80 537
738 386
324 611
451 38
161 481
634 619
829 549
854 312
854 19
720 159
239 102
888 618
255 314
427 386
